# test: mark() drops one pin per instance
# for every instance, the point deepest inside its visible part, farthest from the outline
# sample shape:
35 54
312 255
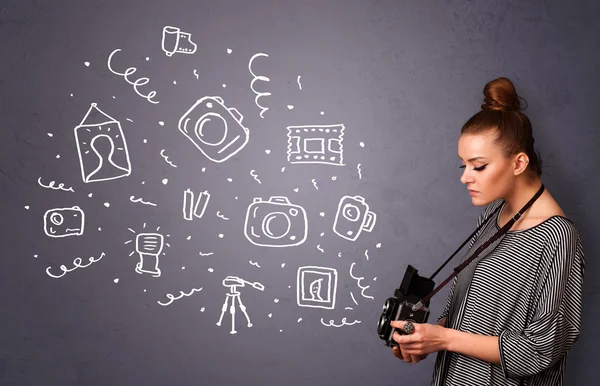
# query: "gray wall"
401 77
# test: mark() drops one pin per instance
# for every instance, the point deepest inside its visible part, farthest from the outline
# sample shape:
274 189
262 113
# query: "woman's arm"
482 347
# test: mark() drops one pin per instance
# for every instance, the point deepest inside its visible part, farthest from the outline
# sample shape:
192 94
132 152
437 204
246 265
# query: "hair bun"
500 94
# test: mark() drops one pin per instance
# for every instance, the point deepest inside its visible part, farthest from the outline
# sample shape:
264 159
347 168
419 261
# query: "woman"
514 312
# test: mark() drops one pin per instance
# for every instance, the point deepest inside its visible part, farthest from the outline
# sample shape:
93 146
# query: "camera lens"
211 129
386 306
351 212
276 225
381 326
56 218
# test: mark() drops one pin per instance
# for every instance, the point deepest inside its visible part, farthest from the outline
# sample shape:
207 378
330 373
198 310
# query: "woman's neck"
523 191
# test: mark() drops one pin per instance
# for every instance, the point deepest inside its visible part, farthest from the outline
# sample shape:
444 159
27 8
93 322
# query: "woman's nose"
466 178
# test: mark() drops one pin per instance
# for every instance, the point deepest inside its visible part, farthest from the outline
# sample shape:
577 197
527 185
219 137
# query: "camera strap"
460 267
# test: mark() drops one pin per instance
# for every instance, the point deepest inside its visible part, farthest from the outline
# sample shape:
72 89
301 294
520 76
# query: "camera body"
353 217
64 222
275 223
215 129
399 307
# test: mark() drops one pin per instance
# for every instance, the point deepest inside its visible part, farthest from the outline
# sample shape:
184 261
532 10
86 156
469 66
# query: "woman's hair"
501 112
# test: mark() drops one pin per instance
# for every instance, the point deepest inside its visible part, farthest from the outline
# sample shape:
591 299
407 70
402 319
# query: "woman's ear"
520 162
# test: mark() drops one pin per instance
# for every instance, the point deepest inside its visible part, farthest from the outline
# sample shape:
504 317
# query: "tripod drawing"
233 282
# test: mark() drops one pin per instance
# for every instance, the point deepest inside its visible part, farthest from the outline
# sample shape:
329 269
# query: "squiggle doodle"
167 158
262 78
367 254
299 84
353 299
172 298
140 201
196 73
51 186
315 183
358 279
254 264
206 254
76 263
332 324
221 216
138 82
349 308
359 172
320 249
255 175
339 254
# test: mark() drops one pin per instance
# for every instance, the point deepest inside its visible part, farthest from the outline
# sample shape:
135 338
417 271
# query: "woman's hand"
407 357
425 339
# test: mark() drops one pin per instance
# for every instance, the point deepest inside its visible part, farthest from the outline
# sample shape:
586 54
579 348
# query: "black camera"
399 307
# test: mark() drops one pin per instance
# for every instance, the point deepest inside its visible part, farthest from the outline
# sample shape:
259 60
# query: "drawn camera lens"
351 212
276 225
56 218
211 129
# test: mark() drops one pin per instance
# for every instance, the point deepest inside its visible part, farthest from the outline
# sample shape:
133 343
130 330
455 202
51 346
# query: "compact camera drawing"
353 217
215 129
399 307
63 222
275 223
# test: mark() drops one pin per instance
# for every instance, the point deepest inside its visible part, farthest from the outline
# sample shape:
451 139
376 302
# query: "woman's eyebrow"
474 158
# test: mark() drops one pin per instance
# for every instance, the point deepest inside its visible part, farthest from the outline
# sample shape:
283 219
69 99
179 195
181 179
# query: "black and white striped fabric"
528 292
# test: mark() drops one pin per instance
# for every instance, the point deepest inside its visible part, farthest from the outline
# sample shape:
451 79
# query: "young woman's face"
487 172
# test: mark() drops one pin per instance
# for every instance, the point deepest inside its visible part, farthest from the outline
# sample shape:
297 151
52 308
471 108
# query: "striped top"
526 288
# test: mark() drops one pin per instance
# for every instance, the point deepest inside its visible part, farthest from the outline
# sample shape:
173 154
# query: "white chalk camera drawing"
63 222
175 41
215 129
316 144
353 217
316 287
101 147
275 223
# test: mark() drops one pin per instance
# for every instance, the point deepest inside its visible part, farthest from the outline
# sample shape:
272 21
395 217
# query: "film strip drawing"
316 144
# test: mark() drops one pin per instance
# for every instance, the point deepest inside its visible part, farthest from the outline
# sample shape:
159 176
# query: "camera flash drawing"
149 246
316 144
175 41
316 287
233 282
260 78
101 147
76 264
215 129
353 216
64 222
275 223
196 209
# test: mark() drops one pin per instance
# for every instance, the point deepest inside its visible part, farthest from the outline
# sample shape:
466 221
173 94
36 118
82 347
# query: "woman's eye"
478 168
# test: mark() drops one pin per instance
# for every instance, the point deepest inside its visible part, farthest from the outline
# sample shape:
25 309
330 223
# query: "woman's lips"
473 192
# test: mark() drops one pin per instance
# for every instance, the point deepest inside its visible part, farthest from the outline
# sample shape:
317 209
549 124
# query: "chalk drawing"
233 282
101 147
316 287
275 223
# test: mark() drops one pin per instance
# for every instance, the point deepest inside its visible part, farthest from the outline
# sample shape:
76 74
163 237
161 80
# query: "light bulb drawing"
233 282
149 246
